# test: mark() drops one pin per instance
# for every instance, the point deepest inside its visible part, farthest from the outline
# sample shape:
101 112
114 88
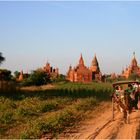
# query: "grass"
50 126
37 113
86 104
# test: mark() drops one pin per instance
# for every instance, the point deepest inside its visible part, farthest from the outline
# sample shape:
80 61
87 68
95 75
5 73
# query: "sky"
32 33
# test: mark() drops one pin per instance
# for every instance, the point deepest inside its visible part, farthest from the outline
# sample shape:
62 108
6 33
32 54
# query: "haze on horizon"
32 33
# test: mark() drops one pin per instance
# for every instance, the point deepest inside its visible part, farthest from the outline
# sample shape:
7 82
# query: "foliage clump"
36 78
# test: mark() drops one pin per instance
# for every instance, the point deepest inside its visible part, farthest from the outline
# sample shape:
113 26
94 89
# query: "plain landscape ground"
64 110
42 112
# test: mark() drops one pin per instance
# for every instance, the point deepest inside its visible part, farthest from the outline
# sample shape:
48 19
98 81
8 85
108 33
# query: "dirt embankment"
101 126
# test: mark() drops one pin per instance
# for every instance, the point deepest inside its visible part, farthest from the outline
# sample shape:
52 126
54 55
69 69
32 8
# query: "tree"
39 78
5 74
1 58
16 74
58 78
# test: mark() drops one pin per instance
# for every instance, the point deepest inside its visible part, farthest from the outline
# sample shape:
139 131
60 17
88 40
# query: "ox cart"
125 98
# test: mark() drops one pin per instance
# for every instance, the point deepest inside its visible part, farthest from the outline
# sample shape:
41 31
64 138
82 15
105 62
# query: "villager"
130 97
136 88
120 95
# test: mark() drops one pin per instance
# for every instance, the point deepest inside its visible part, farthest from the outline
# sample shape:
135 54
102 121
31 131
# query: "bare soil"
99 125
35 88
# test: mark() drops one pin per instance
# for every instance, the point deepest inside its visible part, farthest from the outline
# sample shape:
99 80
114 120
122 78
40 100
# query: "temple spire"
21 76
134 54
94 61
81 61
134 61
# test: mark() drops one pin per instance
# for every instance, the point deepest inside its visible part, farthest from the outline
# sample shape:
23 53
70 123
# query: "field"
48 112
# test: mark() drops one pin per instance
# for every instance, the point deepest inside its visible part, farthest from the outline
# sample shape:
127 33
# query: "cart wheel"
128 117
112 109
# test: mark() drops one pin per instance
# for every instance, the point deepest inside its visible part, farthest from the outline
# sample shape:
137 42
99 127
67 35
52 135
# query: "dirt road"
101 126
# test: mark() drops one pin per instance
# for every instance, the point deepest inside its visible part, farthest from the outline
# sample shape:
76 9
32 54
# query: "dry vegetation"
48 112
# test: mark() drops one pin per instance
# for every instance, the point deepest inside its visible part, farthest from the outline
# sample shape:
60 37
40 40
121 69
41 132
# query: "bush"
45 107
59 78
25 112
7 117
5 74
24 135
87 104
36 78
26 82
39 77
50 126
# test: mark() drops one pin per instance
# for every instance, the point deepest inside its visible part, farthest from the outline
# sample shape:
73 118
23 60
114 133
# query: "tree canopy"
1 58
5 74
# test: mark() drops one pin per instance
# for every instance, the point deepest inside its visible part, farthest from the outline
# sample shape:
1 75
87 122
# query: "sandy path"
102 127
117 129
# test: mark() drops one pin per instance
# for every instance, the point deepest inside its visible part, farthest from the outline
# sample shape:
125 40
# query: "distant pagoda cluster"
81 73
84 74
133 68
54 72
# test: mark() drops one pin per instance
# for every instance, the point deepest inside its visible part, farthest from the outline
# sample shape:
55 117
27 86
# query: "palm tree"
1 58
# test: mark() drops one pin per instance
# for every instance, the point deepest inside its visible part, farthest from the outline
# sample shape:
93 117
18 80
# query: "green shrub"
29 134
7 117
24 135
26 82
51 126
64 101
24 112
45 107
66 118
5 74
87 104
13 105
2 130
6 103
57 123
